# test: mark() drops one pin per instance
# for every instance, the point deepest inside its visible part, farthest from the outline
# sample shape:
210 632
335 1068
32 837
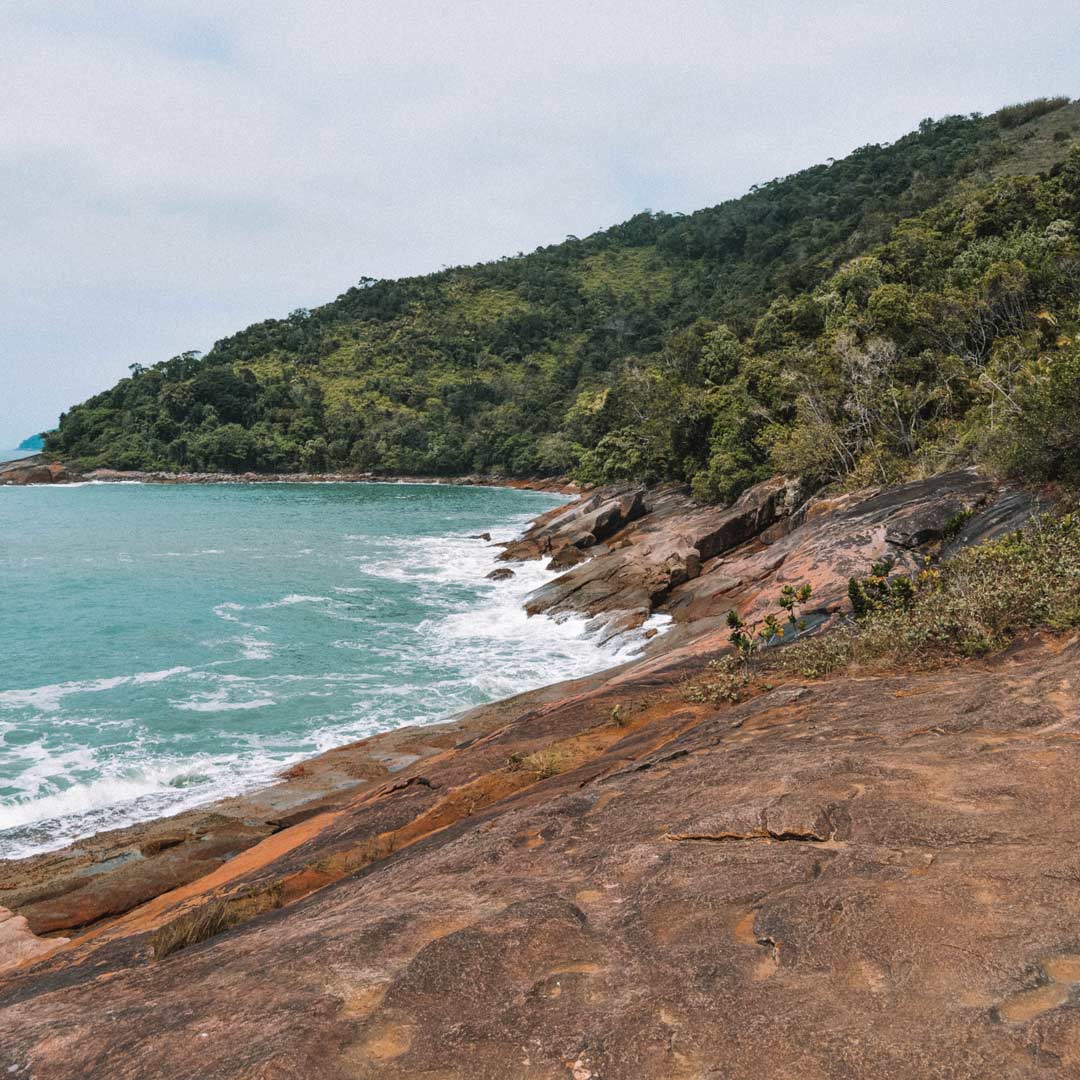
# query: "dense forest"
910 307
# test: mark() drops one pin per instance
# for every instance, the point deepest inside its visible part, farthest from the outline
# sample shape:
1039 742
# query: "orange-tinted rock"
19 944
861 877
867 876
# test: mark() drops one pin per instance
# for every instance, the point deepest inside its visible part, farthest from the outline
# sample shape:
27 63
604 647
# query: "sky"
172 172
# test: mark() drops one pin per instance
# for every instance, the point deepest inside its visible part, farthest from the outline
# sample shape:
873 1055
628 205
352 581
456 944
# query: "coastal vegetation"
973 604
913 306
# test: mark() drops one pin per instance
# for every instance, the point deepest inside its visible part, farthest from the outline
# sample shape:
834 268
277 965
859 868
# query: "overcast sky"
171 172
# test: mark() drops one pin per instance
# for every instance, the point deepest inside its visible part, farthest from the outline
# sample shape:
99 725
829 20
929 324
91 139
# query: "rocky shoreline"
592 879
41 469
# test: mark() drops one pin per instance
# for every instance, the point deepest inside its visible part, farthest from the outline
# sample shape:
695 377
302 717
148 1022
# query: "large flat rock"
866 876
857 878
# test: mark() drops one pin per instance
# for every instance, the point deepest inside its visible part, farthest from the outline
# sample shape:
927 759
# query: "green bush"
1042 439
1015 115
975 603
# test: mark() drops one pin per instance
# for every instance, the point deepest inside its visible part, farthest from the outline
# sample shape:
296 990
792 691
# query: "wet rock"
581 524
566 556
106 875
659 552
503 573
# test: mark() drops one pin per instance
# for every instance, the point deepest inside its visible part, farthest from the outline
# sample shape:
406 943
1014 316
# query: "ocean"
165 645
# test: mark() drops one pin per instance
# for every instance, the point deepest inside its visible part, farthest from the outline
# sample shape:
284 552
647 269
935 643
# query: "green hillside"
910 306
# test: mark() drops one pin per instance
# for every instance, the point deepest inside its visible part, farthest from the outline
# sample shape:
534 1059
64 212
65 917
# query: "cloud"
169 173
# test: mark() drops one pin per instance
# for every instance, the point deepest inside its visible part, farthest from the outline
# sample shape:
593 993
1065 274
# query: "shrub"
974 604
724 680
878 591
747 639
545 763
1042 440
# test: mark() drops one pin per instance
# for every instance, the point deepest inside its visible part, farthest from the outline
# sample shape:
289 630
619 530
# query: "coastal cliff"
617 877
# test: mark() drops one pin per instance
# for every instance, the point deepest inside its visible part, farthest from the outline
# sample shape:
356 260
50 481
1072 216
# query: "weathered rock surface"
18 943
113 872
36 469
695 563
830 540
856 878
653 543
861 877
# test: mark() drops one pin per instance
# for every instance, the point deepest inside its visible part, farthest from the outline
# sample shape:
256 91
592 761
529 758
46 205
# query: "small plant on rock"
790 600
770 630
724 681
740 636
545 763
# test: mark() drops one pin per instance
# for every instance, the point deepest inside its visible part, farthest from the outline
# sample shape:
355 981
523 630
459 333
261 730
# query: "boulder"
580 524
37 469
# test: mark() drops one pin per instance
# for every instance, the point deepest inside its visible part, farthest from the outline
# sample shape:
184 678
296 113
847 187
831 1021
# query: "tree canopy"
908 307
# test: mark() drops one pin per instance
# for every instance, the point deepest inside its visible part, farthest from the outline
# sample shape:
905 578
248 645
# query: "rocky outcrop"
675 557
604 880
823 880
113 872
579 525
36 469
654 543
829 540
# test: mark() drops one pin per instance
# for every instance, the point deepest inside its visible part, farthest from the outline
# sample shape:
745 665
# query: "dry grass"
724 680
545 763
212 919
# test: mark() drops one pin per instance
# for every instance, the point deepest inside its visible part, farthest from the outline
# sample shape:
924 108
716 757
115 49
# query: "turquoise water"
161 646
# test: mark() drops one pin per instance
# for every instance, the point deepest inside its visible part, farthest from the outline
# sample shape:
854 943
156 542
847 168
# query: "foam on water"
49 698
323 635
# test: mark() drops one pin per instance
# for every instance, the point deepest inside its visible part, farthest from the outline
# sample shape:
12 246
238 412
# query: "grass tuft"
545 763
723 681
212 919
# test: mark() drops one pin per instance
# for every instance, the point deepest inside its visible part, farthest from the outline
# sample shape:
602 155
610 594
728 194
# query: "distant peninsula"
35 442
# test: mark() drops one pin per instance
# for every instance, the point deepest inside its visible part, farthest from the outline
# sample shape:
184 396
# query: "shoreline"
557 485
277 790
38 469
626 554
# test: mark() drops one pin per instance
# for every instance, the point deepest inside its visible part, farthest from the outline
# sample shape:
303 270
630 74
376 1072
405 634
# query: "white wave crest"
48 698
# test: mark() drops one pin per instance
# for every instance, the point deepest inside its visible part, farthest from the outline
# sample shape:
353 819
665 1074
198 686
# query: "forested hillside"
909 307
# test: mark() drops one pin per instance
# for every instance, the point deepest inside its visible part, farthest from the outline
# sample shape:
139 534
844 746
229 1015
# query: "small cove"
165 645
